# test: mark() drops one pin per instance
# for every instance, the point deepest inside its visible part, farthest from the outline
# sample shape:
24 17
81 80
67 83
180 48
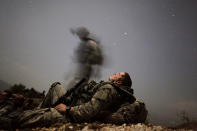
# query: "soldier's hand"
61 108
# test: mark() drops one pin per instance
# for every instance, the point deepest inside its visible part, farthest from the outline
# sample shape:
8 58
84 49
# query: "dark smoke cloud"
88 55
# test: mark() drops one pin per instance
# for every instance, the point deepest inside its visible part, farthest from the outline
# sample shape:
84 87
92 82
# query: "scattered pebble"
70 127
103 127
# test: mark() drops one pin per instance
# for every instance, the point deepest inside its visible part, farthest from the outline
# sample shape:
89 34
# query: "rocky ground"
31 102
105 127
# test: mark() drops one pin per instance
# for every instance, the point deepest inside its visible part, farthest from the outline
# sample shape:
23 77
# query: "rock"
85 128
70 127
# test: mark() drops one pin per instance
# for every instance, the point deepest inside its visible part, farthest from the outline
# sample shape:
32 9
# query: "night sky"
155 41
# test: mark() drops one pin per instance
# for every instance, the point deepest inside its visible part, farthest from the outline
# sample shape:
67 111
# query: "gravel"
103 127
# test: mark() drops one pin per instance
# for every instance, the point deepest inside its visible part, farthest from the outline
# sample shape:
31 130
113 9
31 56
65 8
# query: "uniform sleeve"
95 55
102 99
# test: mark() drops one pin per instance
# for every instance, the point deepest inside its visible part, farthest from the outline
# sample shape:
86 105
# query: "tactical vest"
85 93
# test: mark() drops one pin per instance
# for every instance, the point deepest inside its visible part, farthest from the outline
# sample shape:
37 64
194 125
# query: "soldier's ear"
119 82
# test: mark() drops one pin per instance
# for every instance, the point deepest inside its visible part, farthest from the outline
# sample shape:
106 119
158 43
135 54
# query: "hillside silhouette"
4 85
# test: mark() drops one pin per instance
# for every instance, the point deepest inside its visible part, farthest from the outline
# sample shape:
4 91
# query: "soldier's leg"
54 93
40 117
5 122
130 113
8 113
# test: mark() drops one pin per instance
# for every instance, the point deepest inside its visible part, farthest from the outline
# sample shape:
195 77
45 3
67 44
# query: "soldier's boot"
129 113
54 93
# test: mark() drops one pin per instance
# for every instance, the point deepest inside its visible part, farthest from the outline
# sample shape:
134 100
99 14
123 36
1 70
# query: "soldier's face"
116 77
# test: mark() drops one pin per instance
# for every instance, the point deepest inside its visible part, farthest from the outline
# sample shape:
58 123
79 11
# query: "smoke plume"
88 55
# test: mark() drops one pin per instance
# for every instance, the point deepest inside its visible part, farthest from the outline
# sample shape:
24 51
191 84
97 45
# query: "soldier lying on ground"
12 104
8 101
109 102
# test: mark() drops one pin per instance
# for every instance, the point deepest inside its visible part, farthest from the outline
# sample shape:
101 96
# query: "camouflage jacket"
97 100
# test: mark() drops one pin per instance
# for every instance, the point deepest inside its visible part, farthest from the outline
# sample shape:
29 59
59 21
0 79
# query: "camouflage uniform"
10 108
95 102
12 105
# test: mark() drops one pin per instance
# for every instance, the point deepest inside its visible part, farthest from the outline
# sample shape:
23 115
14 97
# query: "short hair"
126 80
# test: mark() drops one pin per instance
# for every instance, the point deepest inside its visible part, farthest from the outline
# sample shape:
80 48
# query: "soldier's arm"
96 55
102 99
93 44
